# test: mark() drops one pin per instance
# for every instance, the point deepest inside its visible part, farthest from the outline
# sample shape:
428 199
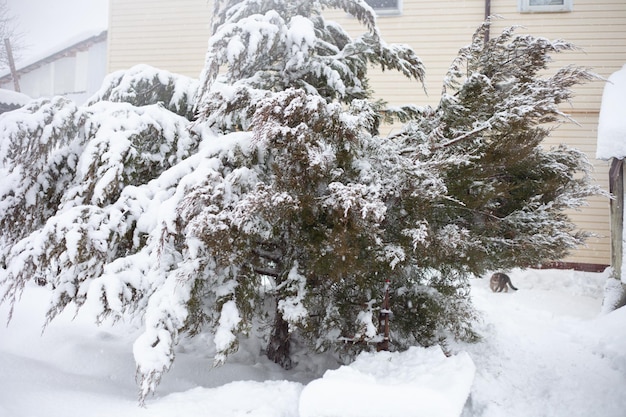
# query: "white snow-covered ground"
546 351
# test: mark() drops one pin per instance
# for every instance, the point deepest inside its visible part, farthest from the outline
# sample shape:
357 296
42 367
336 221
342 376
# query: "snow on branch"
143 84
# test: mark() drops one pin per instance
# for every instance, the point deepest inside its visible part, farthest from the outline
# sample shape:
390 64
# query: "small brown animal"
499 282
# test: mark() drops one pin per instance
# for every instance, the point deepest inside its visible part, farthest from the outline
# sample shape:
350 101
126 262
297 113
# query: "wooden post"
383 321
16 83
616 187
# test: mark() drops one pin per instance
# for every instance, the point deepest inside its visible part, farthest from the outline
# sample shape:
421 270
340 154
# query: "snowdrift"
545 351
13 97
418 382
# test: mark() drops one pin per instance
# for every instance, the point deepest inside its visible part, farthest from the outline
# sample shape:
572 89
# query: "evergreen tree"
511 194
279 212
69 205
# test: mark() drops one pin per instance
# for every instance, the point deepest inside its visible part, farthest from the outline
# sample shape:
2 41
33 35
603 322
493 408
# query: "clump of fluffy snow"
143 84
613 294
612 122
292 307
418 382
224 336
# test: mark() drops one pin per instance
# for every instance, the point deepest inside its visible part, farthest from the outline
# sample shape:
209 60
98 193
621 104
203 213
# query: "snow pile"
608 340
241 398
418 382
13 97
612 122
545 352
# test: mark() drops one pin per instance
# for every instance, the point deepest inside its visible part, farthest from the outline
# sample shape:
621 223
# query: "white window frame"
524 6
390 11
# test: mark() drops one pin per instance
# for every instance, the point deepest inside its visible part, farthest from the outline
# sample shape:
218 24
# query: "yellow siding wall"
435 30
167 34
595 217
598 27
172 35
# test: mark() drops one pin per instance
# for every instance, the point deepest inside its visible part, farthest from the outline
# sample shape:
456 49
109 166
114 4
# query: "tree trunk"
383 321
278 346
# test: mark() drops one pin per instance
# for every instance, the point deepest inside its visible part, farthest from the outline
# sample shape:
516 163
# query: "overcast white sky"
47 24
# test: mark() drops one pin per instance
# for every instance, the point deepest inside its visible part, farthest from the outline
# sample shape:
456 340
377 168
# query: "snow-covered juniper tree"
279 212
511 194
68 205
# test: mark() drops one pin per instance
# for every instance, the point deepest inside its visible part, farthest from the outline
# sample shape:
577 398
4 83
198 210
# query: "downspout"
487 16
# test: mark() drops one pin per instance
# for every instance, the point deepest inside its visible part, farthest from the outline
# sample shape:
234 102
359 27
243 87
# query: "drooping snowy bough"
260 201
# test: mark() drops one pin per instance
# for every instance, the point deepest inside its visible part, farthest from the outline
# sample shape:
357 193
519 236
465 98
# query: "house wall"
173 36
166 34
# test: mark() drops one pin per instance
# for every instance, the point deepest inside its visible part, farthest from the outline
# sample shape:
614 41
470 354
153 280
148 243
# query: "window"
547 6
385 7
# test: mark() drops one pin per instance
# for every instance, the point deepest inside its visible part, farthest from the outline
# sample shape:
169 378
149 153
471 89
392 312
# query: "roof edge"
73 48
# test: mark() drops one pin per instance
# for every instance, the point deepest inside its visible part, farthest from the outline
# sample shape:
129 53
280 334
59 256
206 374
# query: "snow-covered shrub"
70 205
39 151
145 85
